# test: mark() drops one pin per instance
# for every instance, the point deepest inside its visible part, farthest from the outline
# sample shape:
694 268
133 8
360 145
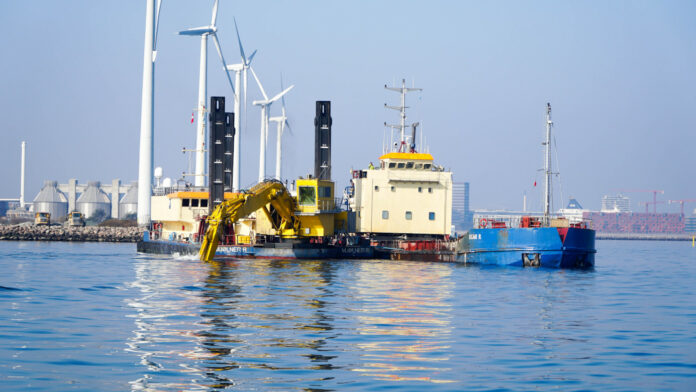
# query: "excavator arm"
281 213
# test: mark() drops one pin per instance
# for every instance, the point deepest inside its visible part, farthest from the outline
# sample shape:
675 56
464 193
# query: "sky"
618 74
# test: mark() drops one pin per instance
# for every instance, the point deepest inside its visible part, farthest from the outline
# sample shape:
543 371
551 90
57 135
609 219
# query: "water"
100 317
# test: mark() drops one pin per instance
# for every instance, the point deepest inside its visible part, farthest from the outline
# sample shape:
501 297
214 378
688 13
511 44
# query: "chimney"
322 141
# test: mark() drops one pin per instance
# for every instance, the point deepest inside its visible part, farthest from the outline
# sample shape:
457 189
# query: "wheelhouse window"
392 165
204 202
419 166
409 165
307 196
400 165
194 202
185 202
426 166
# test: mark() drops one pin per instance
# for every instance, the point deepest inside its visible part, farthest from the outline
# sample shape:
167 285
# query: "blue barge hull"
543 246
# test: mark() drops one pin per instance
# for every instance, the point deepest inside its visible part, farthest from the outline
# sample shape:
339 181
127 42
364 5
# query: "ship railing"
495 221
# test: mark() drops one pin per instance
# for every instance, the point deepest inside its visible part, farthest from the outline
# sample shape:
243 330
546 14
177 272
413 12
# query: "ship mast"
403 90
547 164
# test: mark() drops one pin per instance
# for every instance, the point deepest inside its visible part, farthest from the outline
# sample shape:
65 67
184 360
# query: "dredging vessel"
400 209
265 221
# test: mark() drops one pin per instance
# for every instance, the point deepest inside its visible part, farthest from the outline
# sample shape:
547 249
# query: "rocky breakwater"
61 233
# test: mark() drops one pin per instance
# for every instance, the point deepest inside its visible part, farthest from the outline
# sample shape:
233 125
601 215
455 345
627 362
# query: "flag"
192 117
534 183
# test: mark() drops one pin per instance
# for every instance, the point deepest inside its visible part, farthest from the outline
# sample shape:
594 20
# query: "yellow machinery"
42 218
281 213
76 218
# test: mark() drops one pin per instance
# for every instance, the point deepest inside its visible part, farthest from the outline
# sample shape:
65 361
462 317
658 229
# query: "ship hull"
267 251
533 247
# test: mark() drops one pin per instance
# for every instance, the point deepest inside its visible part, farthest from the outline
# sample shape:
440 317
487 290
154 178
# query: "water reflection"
405 319
277 324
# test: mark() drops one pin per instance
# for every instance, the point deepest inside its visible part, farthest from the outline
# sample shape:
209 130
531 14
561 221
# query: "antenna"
402 109
547 164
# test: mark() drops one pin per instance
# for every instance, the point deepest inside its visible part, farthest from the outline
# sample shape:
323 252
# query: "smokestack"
216 152
322 141
21 180
228 163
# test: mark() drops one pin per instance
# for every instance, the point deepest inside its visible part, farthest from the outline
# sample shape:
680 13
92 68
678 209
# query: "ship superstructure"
406 195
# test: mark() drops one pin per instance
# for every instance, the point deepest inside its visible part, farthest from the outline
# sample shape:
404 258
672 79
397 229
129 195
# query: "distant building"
573 211
462 216
690 223
618 203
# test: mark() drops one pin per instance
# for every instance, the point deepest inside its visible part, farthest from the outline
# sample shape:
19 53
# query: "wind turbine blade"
159 6
281 88
215 9
259 83
251 57
224 64
281 94
287 124
239 40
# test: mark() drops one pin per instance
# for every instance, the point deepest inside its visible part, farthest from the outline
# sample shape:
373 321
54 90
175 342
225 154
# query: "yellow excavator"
270 196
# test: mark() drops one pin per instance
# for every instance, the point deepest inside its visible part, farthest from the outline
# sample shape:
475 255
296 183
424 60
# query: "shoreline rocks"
61 233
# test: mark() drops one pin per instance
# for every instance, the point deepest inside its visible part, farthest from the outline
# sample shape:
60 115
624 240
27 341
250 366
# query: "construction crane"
647 203
281 213
654 192
681 203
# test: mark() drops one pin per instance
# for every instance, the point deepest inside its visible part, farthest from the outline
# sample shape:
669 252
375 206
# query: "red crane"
681 203
647 203
654 192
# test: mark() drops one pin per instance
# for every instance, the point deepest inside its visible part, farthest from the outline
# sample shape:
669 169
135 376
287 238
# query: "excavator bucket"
209 245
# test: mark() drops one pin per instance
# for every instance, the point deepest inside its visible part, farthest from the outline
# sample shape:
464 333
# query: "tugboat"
545 241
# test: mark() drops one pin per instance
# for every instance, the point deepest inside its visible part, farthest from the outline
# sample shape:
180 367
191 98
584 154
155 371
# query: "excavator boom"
242 205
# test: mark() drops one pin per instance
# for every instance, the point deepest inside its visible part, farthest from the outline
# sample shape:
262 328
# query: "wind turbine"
239 68
147 109
265 107
281 121
204 32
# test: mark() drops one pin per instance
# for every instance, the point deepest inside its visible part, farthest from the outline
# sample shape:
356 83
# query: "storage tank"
129 202
51 200
92 200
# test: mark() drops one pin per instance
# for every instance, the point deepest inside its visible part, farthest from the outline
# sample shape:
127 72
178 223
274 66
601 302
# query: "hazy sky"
620 75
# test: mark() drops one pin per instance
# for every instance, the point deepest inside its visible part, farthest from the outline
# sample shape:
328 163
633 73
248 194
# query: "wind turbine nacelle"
199 30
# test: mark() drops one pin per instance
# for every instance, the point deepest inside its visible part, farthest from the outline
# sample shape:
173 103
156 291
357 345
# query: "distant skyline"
619 76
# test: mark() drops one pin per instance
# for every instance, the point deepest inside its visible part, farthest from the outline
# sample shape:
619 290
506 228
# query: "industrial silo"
93 200
51 200
129 202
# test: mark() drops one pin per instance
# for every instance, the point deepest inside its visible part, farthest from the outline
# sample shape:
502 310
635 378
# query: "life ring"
483 223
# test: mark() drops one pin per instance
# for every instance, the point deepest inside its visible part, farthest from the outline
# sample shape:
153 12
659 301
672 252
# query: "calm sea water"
100 317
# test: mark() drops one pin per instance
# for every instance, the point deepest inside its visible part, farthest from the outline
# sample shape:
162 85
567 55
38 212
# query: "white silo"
51 200
92 200
129 202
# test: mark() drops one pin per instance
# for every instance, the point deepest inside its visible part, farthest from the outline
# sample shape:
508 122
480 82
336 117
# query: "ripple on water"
98 316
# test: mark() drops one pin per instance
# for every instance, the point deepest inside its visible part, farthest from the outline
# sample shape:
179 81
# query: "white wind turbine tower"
281 121
265 107
147 109
204 32
239 68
